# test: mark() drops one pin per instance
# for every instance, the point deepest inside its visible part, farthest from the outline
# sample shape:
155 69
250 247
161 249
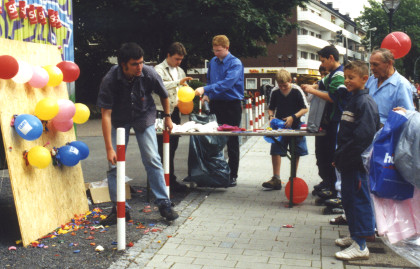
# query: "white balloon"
24 74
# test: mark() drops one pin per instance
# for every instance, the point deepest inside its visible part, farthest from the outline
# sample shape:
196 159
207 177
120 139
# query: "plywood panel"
44 198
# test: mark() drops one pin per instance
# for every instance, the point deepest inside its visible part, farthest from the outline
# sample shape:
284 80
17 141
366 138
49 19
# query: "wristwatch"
166 115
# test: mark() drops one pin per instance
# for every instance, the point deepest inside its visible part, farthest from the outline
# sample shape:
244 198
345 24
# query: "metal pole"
391 12
415 64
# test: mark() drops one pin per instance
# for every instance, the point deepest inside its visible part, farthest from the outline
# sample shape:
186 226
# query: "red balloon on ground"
8 67
70 71
300 190
398 43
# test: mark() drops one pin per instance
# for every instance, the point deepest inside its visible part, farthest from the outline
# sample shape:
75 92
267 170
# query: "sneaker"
353 253
334 202
111 219
344 242
320 186
325 194
233 182
167 212
175 186
340 220
274 183
332 210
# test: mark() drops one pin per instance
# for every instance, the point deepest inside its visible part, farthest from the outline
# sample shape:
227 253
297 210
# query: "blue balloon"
68 155
82 147
277 124
28 126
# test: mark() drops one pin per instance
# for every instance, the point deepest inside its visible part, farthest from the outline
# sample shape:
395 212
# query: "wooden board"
44 198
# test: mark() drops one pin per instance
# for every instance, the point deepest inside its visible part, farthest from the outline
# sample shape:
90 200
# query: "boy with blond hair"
358 125
287 103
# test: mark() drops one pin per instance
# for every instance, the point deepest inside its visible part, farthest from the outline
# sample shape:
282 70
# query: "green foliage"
101 26
405 19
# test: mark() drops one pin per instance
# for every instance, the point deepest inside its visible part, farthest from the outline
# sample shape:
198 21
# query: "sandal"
340 220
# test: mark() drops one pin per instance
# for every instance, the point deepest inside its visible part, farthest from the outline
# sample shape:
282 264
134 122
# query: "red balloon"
8 67
185 107
70 71
398 43
300 190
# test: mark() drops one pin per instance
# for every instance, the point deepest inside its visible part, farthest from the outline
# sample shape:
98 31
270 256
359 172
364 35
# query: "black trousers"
324 152
173 145
229 112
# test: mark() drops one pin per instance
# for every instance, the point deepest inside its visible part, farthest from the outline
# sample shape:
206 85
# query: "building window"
319 36
313 56
332 19
265 81
304 9
304 31
304 54
251 83
312 34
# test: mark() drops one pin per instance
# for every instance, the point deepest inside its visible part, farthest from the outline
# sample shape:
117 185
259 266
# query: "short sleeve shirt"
131 102
333 83
286 105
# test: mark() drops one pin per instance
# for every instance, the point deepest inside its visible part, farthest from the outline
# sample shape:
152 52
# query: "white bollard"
263 109
256 113
121 188
251 124
166 159
260 112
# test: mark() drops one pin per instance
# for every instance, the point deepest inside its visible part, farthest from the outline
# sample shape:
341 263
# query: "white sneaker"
344 242
353 253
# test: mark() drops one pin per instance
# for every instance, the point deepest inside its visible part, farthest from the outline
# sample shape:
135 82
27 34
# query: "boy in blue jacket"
358 125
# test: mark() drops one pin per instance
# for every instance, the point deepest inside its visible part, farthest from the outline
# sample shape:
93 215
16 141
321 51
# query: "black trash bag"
207 166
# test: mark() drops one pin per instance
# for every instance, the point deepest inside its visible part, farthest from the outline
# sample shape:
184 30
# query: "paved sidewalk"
241 227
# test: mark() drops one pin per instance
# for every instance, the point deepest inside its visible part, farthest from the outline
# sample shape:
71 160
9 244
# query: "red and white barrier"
166 158
260 112
121 188
263 109
257 126
251 122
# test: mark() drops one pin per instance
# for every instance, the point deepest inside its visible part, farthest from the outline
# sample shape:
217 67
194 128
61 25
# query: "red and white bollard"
166 159
256 114
251 124
262 109
121 188
260 112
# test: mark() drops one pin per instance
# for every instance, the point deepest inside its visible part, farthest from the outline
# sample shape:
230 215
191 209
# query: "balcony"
311 42
314 21
307 64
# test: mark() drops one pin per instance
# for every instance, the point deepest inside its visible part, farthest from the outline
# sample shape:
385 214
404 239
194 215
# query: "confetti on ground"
130 244
99 248
288 226
12 248
76 251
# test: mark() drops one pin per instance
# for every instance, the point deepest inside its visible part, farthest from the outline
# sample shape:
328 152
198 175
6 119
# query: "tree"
101 26
406 19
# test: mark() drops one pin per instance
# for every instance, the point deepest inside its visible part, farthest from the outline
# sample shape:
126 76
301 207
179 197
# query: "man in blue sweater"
225 89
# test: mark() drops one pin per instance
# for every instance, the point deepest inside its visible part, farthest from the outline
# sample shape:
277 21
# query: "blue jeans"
356 202
151 161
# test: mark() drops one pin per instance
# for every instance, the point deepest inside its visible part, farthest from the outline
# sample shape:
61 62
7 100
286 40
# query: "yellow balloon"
82 113
56 75
186 94
39 157
46 108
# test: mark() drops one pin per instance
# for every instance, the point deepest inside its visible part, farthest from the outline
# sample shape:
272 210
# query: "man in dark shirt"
125 99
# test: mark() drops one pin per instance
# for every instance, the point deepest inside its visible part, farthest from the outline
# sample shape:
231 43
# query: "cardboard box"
100 194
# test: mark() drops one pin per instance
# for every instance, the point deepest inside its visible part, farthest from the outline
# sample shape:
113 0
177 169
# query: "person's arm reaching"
166 111
106 131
